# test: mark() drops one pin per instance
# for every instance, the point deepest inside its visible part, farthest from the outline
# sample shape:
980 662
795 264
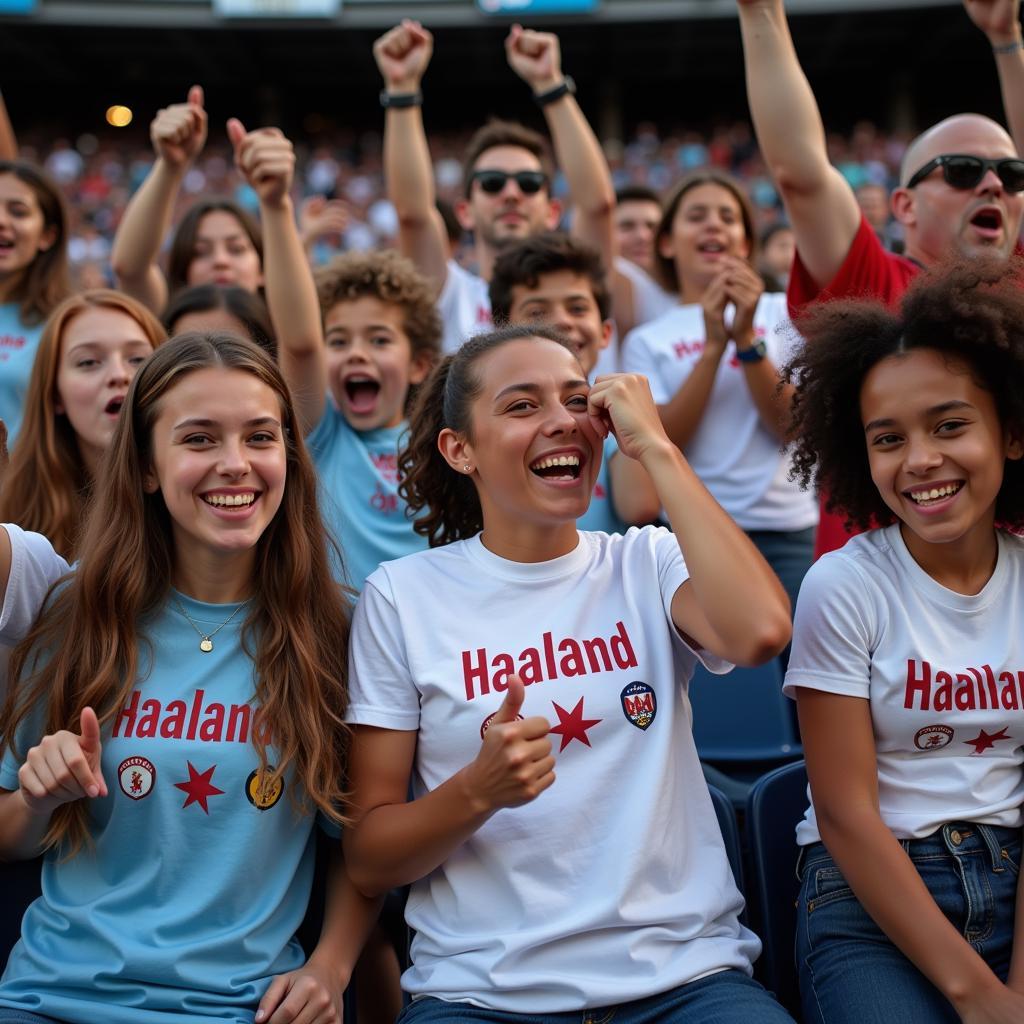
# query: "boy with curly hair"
382 336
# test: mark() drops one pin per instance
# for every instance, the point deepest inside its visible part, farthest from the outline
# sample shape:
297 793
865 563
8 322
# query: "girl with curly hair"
908 654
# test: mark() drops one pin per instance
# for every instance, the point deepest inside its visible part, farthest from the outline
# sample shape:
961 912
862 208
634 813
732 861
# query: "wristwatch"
754 354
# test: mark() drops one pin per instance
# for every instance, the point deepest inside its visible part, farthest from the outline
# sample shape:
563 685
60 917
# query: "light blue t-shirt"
186 904
359 493
18 345
601 515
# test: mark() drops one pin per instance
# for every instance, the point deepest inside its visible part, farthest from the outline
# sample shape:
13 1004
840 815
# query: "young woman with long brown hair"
33 275
173 759
90 349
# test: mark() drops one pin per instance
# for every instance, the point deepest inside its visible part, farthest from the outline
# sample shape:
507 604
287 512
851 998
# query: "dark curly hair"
971 311
523 264
428 484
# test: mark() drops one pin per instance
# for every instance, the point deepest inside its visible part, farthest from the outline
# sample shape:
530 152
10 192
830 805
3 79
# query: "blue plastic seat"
742 717
776 804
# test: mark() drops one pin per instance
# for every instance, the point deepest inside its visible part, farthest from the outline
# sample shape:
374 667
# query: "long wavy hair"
45 281
296 631
47 485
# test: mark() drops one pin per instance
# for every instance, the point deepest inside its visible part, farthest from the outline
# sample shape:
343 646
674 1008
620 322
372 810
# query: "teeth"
229 500
558 460
935 493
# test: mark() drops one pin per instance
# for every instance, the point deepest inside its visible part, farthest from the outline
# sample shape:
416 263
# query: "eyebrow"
935 410
534 389
259 421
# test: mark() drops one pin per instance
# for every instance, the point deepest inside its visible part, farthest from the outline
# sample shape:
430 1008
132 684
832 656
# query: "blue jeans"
729 997
851 972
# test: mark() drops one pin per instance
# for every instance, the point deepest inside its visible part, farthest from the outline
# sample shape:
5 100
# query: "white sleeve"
637 357
381 688
672 574
35 567
834 630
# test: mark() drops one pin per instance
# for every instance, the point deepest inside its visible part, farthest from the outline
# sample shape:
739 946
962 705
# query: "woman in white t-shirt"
608 886
712 362
908 655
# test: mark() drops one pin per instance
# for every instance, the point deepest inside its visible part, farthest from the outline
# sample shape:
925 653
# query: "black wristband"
400 100
567 87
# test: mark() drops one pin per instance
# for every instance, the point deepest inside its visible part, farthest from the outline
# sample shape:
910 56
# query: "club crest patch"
136 776
262 790
932 737
639 705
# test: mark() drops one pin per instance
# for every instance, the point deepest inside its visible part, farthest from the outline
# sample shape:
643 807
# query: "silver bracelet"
1008 48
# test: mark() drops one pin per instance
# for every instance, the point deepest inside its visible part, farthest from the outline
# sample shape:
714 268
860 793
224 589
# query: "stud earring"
467 467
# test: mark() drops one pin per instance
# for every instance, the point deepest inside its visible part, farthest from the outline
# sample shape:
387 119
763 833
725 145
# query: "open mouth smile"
561 468
240 500
926 497
362 393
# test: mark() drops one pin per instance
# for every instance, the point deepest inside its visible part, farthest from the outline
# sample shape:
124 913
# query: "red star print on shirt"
984 740
572 725
199 787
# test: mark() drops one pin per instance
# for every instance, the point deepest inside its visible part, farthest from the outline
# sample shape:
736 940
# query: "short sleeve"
381 688
35 567
834 631
29 733
637 357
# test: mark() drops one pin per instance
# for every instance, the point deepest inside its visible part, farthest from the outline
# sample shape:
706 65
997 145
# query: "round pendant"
206 645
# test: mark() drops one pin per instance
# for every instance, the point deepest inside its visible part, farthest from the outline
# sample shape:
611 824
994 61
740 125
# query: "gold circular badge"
262 790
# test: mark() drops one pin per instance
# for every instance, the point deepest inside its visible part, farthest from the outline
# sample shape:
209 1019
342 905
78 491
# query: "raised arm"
402 56
178 134
267 161
721 559
8 141
820 204
1000 21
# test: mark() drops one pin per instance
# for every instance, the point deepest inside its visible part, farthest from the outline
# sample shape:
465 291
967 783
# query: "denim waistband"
955 838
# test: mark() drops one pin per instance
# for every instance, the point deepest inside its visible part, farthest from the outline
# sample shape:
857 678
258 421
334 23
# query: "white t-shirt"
736 456
464 306
35 567
944 673
612 885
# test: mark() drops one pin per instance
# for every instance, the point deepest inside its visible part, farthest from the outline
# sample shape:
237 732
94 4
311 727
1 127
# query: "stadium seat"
777 802
742 717
19 886
730 832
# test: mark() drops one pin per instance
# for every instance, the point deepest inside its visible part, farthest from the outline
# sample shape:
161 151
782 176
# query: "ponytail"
448 499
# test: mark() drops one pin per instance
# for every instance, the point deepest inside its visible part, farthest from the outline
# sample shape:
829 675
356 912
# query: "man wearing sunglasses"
961 184
507 172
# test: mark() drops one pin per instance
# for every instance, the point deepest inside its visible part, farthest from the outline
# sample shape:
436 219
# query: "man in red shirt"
961 185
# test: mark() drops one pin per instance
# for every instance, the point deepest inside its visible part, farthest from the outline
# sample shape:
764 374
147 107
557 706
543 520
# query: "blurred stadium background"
661 81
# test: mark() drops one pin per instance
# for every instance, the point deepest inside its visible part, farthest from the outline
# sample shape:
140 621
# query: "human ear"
554 214
607 329
1013 445
464 214
902 205
456 450
150 484
47 239
420 366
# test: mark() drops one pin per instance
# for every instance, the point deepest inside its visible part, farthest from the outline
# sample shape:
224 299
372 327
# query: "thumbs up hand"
266 159
515 764
64 767
178 132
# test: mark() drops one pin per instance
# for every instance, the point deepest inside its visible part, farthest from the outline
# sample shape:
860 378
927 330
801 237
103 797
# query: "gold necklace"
206 639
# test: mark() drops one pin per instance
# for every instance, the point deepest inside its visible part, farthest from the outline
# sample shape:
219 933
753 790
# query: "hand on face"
622 402
998 19
515 764
178 132
535 57
266 159
64 767
403 55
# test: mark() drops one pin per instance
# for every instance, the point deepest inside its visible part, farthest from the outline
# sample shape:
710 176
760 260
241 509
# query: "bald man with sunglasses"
961 186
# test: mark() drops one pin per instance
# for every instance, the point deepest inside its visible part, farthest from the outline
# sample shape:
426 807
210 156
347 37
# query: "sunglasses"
962 171
529 182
